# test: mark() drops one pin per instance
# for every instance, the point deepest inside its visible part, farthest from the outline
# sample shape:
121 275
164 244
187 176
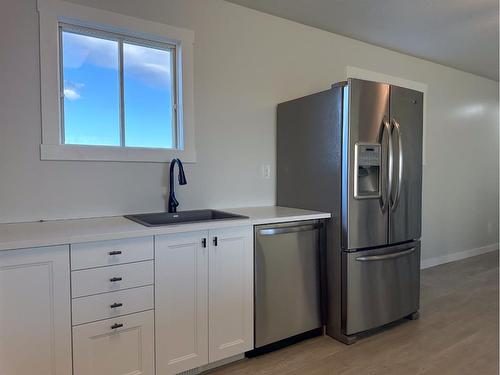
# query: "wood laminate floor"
457 333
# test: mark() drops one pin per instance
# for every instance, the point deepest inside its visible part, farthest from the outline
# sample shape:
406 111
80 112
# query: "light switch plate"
266 171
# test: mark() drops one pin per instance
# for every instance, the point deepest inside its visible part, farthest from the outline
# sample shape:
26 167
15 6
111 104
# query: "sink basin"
183 217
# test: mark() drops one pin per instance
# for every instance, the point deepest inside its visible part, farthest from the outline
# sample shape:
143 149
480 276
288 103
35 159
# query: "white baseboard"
431 262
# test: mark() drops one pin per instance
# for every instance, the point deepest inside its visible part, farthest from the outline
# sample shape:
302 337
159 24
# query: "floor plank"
457 333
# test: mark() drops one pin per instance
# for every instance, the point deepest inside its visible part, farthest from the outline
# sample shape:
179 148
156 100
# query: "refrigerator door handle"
386 128
397 128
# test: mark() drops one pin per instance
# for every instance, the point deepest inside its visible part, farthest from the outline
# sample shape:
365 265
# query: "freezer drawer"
287 280
379 286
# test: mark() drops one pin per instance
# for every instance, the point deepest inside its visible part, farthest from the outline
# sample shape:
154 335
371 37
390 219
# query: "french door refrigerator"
355 150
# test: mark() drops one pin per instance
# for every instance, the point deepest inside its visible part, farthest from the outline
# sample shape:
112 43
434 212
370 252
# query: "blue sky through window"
148 96
92 93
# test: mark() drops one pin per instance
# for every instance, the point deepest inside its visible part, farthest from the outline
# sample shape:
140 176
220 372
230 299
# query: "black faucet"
172 202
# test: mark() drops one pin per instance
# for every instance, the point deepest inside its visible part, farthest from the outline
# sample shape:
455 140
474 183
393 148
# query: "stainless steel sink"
183 217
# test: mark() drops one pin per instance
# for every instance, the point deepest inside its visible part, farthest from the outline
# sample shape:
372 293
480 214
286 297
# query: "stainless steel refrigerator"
355 150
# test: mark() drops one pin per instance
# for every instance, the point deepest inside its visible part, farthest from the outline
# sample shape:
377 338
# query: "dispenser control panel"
367 167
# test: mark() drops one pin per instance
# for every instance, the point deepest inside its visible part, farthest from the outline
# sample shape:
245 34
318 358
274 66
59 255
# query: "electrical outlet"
490 227
266 171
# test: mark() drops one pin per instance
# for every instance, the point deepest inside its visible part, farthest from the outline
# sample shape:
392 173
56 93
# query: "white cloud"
81 49
71 94
149 65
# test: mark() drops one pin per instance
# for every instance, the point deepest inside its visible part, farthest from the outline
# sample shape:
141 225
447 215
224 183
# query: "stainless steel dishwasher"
287 280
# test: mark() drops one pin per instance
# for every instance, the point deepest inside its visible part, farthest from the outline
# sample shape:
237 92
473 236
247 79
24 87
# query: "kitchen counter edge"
70 231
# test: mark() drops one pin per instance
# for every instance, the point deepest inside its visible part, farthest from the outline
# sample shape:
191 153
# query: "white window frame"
52 13
120 40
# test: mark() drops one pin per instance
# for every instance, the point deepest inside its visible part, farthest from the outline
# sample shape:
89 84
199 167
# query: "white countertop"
276 214
59 232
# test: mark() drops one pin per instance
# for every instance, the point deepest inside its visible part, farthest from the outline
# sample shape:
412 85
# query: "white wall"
245 63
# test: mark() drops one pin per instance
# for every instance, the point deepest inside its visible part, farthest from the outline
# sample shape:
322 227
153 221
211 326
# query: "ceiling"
459 33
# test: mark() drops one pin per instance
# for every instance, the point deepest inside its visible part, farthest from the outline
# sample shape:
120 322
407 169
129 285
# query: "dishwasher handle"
291 229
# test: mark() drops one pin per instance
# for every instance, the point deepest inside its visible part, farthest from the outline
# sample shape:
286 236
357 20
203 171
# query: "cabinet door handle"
116 252
115 305
116 325
216 243
203 242
115 279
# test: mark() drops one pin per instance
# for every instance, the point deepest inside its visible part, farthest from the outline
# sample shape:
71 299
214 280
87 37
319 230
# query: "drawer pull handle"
115 305
117 252
115 279
116 325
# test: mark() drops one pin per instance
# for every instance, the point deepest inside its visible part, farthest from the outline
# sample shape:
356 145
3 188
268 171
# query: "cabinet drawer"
117 346
112 305
108 253
111 279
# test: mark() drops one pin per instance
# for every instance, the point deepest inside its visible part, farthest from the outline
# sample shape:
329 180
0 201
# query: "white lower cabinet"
119 346
35 321
181 301
113 307
230 293
203 297
202 310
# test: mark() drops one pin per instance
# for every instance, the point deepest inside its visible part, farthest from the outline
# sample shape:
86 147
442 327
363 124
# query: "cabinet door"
231 292
181 307
35 323
119 346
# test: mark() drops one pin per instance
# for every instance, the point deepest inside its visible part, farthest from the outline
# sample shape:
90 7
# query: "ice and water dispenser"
367 166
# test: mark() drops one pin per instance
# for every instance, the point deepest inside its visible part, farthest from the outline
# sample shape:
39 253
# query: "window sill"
110 153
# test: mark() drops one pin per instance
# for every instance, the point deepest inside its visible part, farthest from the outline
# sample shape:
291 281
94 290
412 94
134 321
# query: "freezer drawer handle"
298 228
385 257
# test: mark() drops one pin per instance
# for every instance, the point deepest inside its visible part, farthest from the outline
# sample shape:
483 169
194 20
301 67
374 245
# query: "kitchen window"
116 91
123 86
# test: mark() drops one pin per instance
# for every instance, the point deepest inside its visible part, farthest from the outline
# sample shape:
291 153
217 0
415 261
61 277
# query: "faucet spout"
172 201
